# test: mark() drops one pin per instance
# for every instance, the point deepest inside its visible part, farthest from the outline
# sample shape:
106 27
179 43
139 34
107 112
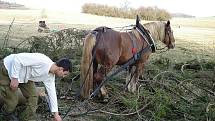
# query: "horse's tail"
86 66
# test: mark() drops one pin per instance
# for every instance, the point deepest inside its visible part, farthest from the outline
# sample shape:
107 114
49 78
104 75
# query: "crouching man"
22 70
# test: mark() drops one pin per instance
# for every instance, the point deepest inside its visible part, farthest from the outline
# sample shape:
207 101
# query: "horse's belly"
123 59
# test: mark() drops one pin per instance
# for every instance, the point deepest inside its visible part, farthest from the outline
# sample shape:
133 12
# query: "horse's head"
169 39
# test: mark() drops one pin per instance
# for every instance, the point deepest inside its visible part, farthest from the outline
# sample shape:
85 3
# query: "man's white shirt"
34 67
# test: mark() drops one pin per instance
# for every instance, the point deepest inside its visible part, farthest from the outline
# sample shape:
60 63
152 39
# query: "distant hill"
7 5
182 15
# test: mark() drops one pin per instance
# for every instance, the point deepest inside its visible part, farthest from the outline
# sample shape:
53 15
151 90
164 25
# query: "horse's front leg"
133 77
130 78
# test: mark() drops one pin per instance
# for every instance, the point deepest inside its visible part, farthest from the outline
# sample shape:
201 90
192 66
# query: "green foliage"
146 13
10 50
161 103
129 101
64 43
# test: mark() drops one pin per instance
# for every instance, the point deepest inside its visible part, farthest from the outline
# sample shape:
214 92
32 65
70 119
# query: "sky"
198 8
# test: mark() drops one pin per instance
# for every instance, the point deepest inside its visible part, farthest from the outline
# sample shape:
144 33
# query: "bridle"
168 33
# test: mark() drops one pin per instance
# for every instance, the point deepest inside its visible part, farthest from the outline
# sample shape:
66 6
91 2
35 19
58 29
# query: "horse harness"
146 36
131 61
143 32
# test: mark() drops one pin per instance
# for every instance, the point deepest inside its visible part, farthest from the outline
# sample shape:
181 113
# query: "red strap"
134 50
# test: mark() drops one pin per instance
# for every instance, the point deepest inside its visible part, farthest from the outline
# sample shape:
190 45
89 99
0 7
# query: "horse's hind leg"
104 93
99 76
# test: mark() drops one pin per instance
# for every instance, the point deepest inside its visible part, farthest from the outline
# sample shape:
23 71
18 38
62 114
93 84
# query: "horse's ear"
137 20
168 23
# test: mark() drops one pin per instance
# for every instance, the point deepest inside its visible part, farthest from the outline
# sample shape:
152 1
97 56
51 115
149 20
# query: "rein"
78 93
162 49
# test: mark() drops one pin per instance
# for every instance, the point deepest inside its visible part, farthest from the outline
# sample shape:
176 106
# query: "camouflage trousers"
10 97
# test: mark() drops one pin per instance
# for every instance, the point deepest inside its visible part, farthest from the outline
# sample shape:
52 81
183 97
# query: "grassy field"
195 39
195 33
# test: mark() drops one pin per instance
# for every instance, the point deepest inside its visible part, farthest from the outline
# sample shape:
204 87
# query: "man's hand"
57 117
14 84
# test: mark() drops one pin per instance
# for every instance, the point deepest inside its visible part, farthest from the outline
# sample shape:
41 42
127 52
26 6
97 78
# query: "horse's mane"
157 30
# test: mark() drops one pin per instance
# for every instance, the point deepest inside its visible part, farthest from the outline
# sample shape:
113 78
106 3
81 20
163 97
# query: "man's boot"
9 116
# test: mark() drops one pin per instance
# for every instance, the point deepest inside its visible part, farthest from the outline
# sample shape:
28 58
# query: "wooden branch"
118 114
161 74
182 67
5 44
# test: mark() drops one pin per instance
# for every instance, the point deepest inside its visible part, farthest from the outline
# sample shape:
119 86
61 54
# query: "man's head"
64 67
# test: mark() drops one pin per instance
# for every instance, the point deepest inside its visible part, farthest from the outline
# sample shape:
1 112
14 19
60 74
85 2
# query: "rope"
82 85
124 28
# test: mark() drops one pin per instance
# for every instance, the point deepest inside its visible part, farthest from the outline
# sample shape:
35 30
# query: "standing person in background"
22 70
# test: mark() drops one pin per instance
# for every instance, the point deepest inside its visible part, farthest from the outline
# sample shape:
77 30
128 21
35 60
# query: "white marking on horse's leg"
127 81
103 91
131 85
134 85
104 94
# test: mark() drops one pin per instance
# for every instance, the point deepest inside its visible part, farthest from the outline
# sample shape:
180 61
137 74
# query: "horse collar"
149 38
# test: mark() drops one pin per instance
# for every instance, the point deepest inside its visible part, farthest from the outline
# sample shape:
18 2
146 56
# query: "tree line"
146 13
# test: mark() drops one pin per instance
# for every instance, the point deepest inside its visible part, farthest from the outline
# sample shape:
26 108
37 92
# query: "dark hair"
65 63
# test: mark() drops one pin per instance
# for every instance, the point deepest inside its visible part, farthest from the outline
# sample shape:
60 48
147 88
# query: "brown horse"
111 47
